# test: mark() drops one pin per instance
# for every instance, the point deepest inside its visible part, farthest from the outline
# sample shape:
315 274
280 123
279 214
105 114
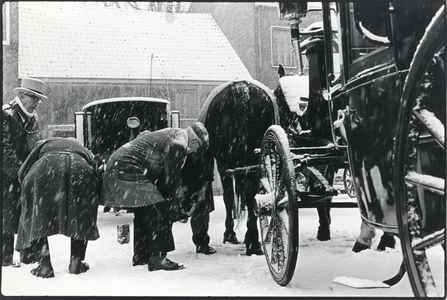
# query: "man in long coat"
20 132
60 195
145 175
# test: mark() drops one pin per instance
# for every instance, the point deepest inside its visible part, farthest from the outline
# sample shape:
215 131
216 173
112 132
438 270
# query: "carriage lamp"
133 122
293 12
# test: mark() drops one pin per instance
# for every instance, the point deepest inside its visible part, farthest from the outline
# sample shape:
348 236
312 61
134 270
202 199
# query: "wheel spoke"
432 124
429 241
428 182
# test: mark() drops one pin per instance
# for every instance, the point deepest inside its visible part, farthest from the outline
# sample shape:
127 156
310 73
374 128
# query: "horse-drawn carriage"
374 95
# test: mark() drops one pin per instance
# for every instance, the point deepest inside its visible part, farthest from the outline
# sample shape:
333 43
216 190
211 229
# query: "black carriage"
379 67
105 125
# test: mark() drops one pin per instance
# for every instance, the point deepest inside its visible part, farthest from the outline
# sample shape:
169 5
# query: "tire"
347 181
420 167
279 220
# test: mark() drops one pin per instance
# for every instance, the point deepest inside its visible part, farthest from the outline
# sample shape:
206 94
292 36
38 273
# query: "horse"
237 114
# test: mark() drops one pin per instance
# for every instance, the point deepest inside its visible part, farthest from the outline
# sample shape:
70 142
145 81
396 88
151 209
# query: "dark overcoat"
20 133
146 170
60 192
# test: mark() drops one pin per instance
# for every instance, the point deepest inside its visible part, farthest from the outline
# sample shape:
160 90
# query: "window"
368 30
6 23
282 50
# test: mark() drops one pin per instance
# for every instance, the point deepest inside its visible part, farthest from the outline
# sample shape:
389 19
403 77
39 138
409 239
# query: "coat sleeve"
173 169
31 159
11 163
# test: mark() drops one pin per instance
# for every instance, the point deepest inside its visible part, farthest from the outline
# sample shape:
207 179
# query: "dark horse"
236 115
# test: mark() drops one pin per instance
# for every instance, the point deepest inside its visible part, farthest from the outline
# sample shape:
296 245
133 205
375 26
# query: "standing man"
20 132
145 175
198 188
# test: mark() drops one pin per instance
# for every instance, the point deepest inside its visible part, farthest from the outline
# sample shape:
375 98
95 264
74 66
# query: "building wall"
10 50
247 26
67 96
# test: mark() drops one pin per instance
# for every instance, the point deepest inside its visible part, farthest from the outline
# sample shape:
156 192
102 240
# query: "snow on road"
227 273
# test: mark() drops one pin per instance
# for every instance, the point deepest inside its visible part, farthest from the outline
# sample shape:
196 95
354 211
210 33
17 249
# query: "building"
87 53
260 38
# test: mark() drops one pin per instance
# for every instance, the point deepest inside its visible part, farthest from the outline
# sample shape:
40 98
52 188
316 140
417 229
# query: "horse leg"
228 197
364 240
251 240
386 240
324 232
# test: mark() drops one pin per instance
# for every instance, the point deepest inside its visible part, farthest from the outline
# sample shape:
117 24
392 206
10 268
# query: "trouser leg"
140 237
7 248
41 249
78 249
200 224
159 229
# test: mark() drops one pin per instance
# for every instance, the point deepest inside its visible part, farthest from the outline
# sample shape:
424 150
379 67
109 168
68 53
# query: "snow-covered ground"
227 273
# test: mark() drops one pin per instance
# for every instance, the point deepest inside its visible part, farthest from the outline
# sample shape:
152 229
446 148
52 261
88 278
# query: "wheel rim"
420 162
348 182
278 221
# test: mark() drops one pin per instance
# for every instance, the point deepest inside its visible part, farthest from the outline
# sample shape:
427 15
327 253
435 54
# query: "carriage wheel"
420 168
277 205
348 182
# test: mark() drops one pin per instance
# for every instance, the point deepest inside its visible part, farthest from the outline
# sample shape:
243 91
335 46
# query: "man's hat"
33 86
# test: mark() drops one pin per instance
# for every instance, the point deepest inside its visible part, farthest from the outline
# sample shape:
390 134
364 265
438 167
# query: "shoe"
386 241
231 238
359 247
254 249
207 250
11 263
139 262
43 271
77 267
163 263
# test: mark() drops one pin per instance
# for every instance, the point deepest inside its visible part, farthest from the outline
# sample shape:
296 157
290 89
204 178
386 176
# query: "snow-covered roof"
71 39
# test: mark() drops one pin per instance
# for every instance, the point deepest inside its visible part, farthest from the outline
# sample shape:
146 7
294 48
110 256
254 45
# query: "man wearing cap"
20 132
145 176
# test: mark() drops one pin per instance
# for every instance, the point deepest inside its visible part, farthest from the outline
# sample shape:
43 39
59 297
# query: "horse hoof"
323 236
254 249
386 241
359 247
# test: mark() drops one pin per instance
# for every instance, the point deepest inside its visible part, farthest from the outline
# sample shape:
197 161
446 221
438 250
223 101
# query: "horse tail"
241 101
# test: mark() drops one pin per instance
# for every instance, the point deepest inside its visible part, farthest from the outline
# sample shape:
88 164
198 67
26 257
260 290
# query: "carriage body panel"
375 53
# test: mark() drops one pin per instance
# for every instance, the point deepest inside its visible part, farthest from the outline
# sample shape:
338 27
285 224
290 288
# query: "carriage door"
370 88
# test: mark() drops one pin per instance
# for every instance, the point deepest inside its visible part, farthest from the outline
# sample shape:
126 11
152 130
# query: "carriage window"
282 50
368 28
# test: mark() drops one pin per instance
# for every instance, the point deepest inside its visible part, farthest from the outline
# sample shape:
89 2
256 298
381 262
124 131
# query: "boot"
207 250
42 252
161 262
230 237
78 249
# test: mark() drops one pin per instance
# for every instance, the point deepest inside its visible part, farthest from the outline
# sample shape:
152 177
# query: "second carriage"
379 70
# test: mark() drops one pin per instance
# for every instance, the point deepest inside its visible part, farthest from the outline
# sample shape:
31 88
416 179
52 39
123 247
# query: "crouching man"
60 195
145 176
